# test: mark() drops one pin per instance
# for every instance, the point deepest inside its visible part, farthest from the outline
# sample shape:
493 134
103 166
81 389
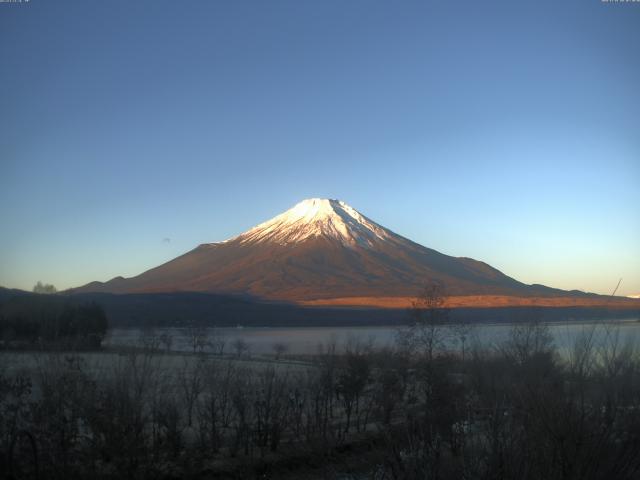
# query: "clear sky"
132 131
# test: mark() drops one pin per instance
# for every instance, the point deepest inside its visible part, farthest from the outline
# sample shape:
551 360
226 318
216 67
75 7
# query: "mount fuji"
323 251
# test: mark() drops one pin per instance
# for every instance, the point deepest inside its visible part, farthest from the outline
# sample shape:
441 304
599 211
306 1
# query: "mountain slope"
319 249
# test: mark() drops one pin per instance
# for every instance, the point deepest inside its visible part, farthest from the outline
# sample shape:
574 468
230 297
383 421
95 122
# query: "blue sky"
503 131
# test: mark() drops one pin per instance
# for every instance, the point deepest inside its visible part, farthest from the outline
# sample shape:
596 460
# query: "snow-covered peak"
318 217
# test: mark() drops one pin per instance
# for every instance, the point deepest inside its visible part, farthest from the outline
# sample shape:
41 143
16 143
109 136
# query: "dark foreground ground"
515 411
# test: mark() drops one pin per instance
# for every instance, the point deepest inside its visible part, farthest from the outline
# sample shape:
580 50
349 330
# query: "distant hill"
6 293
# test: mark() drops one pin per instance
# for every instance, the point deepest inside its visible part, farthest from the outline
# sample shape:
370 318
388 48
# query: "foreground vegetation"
48 321
516 410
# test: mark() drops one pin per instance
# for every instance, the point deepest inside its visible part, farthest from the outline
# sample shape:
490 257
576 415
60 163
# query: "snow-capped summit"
318 217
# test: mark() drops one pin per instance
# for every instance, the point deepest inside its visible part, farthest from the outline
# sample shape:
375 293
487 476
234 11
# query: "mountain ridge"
321 249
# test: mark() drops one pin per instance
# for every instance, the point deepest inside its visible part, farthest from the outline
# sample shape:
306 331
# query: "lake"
306 340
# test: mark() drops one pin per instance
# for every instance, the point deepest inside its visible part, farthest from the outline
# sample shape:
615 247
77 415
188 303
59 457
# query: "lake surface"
307 340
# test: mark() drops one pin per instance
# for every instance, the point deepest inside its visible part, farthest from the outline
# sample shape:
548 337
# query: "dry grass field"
481 301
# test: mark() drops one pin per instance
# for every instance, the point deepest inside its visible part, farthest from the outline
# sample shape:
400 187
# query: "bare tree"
270 409
191 384
527 340
148 339
429 317
197 337
280 349
240 346
614 351
352 381
391 383
581 354
215 408
461 331
166 339
218 341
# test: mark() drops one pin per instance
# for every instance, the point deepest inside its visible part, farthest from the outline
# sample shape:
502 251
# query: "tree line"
28 321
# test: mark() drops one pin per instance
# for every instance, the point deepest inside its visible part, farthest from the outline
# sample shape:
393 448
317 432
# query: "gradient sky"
132 131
